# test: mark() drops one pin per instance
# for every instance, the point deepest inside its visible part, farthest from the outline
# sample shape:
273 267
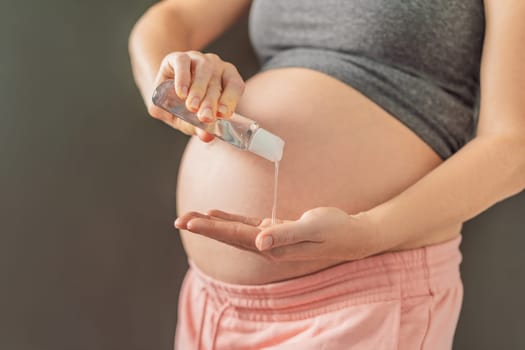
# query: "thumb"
158 113
203 135
285 234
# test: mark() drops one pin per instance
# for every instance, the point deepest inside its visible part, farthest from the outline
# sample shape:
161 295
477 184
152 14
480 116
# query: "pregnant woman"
402 120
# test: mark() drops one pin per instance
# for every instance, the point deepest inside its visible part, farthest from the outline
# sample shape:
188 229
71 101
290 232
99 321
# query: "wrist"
367 229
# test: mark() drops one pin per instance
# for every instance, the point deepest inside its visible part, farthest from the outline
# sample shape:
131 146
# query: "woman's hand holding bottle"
209 86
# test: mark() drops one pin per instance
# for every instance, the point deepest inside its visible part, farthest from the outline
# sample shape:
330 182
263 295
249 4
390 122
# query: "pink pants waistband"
387 276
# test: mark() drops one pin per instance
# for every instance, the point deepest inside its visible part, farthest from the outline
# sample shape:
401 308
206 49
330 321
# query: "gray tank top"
417 59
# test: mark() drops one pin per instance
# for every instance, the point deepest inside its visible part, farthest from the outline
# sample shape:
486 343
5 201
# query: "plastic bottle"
238 131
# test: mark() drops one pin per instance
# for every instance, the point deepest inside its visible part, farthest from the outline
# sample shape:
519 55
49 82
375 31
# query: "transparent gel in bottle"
238 131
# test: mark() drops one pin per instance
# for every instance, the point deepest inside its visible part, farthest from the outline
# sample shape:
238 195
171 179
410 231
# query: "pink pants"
403 300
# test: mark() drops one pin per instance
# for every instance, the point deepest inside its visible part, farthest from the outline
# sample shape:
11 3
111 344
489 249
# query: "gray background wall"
88 255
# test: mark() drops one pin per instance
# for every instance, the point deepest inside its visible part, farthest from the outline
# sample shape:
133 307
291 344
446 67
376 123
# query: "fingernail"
206 115
177 222
265 243
184 91
223 110
195 103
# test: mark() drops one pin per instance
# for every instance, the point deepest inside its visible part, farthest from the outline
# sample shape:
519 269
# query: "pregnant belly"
341 150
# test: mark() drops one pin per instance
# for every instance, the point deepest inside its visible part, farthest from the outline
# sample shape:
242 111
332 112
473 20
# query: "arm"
162 46
488 169
173 25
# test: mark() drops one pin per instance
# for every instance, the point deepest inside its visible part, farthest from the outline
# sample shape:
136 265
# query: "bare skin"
354 181
341 151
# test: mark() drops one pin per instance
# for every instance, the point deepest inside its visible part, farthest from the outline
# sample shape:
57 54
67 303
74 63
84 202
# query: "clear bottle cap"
266 145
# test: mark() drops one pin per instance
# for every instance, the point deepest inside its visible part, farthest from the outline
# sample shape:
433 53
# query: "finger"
233 88
286 234
176 65
208 108
234 217
171 120
229 232
202 72
182 221
182 64
204 135
184 127
160 114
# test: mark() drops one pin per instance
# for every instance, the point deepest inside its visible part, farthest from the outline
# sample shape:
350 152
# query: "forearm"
485 171
158 32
